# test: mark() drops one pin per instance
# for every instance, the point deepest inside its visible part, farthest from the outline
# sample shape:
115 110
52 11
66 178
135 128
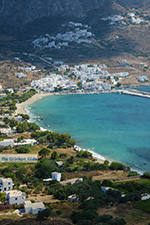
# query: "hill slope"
20 12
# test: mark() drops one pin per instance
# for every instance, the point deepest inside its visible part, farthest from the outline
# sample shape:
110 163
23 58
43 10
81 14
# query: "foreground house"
56 176
6 184
6 131
7 143
33 208
15 197
26 142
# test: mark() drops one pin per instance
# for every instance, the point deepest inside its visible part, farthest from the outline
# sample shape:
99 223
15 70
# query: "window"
16 199
9 183
5 189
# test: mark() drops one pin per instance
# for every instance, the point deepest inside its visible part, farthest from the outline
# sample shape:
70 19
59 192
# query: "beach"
21 106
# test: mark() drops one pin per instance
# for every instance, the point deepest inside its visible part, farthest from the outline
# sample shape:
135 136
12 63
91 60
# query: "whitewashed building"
56 176
33 208
15 197
26 142
7 143
6 184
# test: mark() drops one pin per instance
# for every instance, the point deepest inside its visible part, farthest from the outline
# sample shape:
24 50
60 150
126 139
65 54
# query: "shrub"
23 149
117 166
133 173
146 175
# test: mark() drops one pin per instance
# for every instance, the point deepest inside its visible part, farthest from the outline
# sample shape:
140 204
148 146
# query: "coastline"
22 108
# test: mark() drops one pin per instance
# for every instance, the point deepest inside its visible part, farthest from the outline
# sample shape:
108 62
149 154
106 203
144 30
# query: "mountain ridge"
18 13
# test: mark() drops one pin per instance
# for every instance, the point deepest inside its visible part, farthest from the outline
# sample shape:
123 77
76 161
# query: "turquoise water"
116 126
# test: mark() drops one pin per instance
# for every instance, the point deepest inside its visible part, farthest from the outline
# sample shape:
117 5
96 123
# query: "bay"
115 126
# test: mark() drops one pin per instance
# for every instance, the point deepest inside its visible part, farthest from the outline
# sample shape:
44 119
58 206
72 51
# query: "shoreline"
22 108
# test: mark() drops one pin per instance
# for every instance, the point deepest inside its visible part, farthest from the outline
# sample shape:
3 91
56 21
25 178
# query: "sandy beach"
21 106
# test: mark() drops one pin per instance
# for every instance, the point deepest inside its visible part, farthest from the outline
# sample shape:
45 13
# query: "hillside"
72 31
21 12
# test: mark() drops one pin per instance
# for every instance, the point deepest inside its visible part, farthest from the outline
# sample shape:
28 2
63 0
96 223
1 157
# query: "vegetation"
27 95
44 152
25 126
43 215
44 168
23 149
133 173
84 154
146 175
143 205
55 140
117 166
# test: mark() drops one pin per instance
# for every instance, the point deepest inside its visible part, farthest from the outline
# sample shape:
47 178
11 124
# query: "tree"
117 166
12 123
117 221
44 152
23 149
33 126
22 127
25 117
45 167
54 155
13 107
2 197
118 84
107 183
106 162
43 215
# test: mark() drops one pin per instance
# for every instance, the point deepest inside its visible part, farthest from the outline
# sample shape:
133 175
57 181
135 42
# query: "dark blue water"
116 126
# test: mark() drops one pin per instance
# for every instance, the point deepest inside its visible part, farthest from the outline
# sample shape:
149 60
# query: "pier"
134 93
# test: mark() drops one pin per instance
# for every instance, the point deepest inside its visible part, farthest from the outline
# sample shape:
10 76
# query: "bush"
117 166
104 218
117 221
133 173
146 175
23 149
84 154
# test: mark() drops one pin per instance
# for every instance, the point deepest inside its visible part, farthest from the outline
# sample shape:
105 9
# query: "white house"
26 142
73 198
33 208
7 143
2 95
104 189
6 131
56 176
59 163
15 197
6 184
28 206
21 75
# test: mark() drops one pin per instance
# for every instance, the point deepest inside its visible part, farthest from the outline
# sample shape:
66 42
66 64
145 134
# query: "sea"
112 125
